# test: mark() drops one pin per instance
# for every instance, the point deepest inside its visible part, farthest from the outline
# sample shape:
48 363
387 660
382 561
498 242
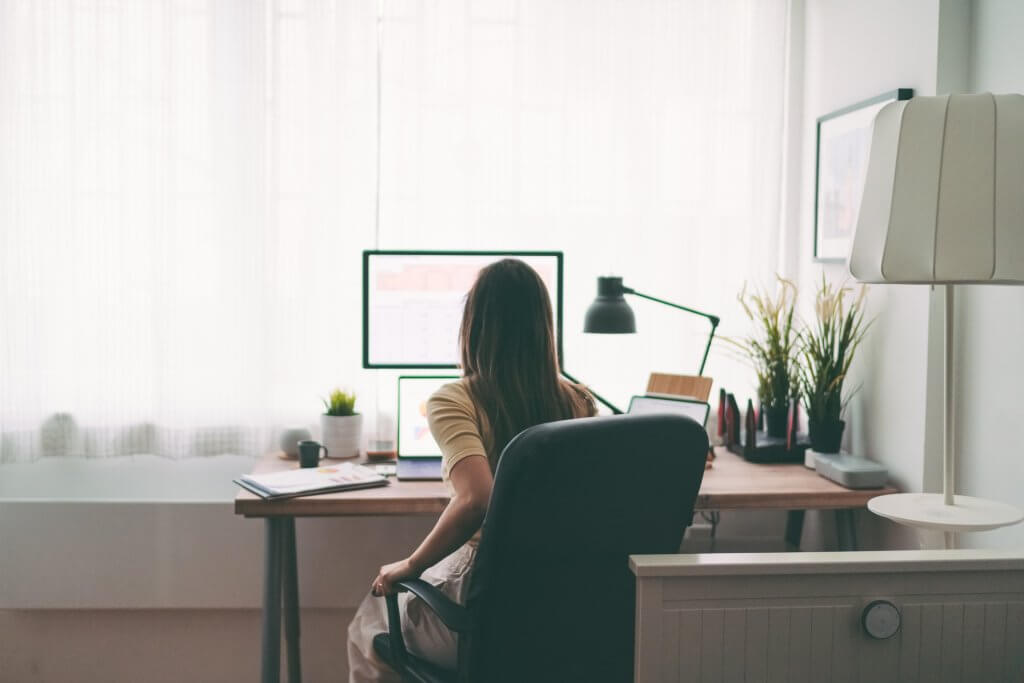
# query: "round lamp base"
928 511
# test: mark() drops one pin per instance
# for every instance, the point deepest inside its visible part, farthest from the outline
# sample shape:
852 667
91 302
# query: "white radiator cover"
796 617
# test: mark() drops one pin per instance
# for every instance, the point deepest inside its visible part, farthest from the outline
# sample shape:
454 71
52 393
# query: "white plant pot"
341 435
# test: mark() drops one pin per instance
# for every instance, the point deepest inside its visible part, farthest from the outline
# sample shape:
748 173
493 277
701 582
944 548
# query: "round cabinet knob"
881 619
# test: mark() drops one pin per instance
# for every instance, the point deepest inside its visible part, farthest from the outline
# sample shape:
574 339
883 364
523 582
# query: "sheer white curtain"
184 188
186 185
643 138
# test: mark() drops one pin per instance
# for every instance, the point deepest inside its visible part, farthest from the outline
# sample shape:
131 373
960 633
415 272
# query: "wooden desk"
735 484
731 484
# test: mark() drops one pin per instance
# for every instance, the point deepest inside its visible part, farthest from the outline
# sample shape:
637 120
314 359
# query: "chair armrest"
397 642
452 614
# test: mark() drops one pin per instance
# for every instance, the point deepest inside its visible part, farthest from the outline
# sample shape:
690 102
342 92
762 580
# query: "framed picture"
844 142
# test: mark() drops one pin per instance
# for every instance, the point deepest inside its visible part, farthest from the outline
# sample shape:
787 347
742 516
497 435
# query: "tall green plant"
773 348
827 350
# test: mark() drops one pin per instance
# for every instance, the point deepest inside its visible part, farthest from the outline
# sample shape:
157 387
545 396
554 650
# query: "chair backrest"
551 590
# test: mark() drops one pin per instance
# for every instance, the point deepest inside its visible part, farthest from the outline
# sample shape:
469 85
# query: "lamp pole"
948 464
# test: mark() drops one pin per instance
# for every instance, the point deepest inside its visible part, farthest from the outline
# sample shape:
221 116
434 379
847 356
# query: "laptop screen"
692 408
414 438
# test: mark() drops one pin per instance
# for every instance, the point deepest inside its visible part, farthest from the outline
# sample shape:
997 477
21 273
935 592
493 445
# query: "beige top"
459 430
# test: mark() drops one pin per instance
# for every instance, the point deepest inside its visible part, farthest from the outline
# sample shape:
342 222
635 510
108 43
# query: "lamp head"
609 314
942 199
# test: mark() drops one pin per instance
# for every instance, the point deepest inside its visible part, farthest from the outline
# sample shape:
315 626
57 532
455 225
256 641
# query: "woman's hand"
390 574
462 517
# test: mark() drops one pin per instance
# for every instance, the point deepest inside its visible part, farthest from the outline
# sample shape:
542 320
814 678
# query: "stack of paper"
311 480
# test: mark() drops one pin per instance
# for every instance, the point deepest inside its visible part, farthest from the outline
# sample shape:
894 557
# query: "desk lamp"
610 314
943 204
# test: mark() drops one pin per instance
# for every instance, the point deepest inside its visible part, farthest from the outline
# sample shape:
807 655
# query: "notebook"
308 481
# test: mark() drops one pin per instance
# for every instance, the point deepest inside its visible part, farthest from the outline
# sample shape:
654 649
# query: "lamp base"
928 511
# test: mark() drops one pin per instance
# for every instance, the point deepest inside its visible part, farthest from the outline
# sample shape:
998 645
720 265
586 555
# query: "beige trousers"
425 635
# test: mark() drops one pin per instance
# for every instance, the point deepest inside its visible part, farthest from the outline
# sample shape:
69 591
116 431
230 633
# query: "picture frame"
841 158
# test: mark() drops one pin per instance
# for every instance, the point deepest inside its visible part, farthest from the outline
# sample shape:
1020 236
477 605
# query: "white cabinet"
795 617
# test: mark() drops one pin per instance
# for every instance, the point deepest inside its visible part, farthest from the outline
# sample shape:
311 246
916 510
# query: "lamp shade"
609 314
944 194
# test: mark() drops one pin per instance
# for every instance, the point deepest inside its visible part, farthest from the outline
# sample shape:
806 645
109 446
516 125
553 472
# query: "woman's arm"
453 423
471 478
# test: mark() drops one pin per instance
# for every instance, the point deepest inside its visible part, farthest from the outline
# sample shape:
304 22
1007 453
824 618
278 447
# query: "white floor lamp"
944 204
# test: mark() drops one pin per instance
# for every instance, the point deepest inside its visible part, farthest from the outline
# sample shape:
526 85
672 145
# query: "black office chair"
551 597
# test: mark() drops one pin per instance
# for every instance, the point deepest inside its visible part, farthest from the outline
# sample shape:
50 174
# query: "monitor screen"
413 301
414 437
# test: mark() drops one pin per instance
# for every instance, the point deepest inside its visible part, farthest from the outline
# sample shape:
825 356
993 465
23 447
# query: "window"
186 187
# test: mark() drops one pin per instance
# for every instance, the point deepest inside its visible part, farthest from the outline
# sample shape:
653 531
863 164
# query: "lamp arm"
714 319
611 406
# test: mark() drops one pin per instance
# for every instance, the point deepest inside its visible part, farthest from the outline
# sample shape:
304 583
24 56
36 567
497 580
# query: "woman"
511 381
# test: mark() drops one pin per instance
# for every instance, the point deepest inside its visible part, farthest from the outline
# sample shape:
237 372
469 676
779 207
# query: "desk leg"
794 528
291 601
846 529
271 661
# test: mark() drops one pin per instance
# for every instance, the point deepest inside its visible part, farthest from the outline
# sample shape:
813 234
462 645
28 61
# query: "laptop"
419 456
678 405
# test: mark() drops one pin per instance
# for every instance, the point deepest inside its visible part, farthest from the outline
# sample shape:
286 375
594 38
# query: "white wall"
851 51
98 592
159 646
990 320
854 51
997 54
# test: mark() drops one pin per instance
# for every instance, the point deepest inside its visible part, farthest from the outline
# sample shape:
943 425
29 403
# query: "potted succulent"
827 349
340 426
773 350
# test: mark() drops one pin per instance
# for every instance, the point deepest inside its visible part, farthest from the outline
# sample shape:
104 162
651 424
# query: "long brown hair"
507 344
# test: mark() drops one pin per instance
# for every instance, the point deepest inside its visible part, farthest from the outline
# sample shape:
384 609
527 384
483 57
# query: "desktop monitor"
413 301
